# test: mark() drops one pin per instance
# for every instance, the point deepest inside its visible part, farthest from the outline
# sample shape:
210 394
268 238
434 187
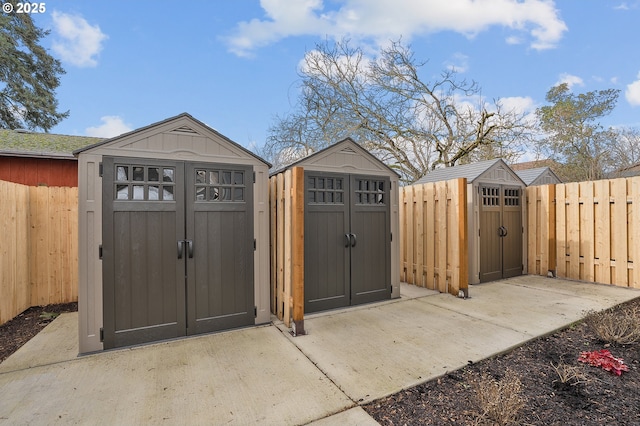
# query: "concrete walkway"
263 375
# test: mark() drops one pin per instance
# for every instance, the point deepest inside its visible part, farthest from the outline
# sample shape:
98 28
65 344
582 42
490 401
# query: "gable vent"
348 150
184 129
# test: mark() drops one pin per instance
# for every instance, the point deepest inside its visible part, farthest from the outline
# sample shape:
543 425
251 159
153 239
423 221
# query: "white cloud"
458 63
76 41
380 20
571 80
111 126
632 94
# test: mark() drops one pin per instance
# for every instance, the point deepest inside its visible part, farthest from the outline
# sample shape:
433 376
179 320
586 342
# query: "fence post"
297 249
463 245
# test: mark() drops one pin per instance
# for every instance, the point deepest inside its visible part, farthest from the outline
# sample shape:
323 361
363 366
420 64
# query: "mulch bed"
21 329
604 399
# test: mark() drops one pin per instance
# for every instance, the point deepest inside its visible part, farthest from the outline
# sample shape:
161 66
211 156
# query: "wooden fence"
38 247
597 230
286 201
433 236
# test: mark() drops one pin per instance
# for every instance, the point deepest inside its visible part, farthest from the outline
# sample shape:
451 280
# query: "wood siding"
38 248
39 171
433 236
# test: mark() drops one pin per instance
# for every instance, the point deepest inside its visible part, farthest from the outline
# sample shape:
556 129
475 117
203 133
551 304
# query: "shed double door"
347 240
500 232
177 249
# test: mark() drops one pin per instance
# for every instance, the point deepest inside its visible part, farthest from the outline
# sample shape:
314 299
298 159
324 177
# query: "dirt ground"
21 329
599 398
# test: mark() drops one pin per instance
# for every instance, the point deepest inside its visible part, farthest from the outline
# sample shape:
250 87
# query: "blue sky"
233 63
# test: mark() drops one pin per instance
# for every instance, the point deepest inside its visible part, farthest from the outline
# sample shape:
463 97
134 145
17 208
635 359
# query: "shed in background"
495 218
538 176
40 159
174 235
351 230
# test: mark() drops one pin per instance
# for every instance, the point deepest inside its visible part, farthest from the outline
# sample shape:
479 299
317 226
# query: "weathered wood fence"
596 229
38 247
433 235
286 200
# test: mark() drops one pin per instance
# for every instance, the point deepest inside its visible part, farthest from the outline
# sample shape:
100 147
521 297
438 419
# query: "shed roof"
345 146
471 171
529 176
181 123
22 143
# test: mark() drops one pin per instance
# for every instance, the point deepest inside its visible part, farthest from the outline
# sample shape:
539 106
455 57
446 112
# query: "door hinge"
100 252
254 177
255 312
101 334
391 236
100 169
254 244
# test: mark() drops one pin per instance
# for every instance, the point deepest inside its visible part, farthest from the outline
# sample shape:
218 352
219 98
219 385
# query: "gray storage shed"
538 176
496 217
351 228
174 235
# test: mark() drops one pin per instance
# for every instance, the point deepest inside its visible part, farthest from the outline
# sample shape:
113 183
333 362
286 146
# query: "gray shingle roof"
31 144
530 175
469 171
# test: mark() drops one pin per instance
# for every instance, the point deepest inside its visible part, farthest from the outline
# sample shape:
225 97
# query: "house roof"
469 171
178 118
345 145
22 143
530 175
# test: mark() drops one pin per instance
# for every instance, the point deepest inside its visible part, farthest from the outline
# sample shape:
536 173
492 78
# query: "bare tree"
383 104
626 149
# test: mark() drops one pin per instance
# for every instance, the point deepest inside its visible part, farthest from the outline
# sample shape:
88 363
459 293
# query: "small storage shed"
496 217
173 234
538 176
351 228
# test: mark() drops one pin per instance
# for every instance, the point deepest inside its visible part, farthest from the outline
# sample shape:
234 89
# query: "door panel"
347 240
512 241
500 232
142 302
326 258
220 224
370 257
177 249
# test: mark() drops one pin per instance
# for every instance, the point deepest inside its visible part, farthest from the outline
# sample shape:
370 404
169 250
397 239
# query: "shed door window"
511 197
144 183
369 191
213 185
490 196
325 190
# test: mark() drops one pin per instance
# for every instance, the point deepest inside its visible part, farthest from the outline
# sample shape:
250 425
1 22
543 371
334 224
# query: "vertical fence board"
602 221
619 247
634 221
434 235
39 248
597 230
587 231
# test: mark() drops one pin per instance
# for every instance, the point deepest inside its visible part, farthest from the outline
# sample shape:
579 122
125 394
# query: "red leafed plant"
604 359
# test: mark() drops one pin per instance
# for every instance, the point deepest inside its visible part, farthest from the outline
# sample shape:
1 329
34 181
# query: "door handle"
180 249
347 240
354 240
504 231
190 248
